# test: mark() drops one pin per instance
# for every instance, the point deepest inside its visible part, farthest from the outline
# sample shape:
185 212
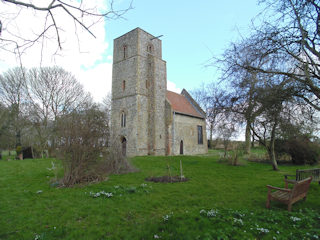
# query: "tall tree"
212 99
291 36
13 94
53 92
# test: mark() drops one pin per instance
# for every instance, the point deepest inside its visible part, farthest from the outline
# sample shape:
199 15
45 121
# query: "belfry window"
149 48
200 135
125 52
123 119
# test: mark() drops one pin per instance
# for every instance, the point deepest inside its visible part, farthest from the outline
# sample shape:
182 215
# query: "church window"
123 85
123 119
147 84
200 135
124 52
149 48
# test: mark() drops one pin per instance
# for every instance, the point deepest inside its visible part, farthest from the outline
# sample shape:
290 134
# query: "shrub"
82 147
281 147
301 150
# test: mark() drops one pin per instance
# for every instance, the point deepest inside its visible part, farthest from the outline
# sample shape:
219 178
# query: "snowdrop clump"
101 193
37 237
212 213
167 217
263 230
236 220
295 219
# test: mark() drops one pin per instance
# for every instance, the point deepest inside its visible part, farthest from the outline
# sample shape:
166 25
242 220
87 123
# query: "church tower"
139 87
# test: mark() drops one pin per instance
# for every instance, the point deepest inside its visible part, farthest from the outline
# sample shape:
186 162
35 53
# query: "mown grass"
232 199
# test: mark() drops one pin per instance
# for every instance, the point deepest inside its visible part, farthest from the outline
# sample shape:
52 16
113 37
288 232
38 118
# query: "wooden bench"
305 173
289 196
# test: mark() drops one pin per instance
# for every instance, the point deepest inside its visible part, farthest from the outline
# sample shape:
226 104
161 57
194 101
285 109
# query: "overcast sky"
192 32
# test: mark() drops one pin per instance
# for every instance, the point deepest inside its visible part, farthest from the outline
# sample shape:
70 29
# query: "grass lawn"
218 202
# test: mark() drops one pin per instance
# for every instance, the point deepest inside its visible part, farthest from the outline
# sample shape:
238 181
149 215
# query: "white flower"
202 211
295 219
109 195
263 230
156 236
143 185
212 213
166 217
101 193
39 191
116 187
37 237
238 221
316 236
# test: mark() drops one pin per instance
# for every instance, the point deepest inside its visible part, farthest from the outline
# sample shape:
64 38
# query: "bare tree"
13 94
242 83
7 136
212 98
53 92
106 109
83 138
47 23
291 37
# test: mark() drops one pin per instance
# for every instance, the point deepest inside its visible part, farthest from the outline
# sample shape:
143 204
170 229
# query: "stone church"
146 118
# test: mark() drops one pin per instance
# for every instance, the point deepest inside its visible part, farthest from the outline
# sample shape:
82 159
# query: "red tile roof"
180 104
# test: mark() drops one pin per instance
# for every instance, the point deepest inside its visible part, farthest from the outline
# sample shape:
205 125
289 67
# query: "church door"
181 147
124 146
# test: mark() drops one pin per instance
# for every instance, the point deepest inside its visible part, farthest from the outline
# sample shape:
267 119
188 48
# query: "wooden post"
181 170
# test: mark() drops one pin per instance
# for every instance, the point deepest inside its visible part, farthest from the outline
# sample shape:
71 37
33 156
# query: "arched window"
123 119
124 146
200 135
123 85
181 147
149 48
124 48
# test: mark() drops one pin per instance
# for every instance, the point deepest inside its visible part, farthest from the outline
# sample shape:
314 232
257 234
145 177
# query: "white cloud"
171 86
81 54
97 80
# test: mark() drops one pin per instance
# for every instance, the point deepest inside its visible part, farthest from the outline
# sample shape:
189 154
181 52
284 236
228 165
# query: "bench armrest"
289 175
277 188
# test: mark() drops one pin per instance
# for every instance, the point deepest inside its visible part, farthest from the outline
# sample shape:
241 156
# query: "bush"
82 144
301 150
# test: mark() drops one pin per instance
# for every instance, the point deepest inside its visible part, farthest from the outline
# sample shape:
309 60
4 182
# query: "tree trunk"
211 133
248 138
271 152
18 138
253 140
